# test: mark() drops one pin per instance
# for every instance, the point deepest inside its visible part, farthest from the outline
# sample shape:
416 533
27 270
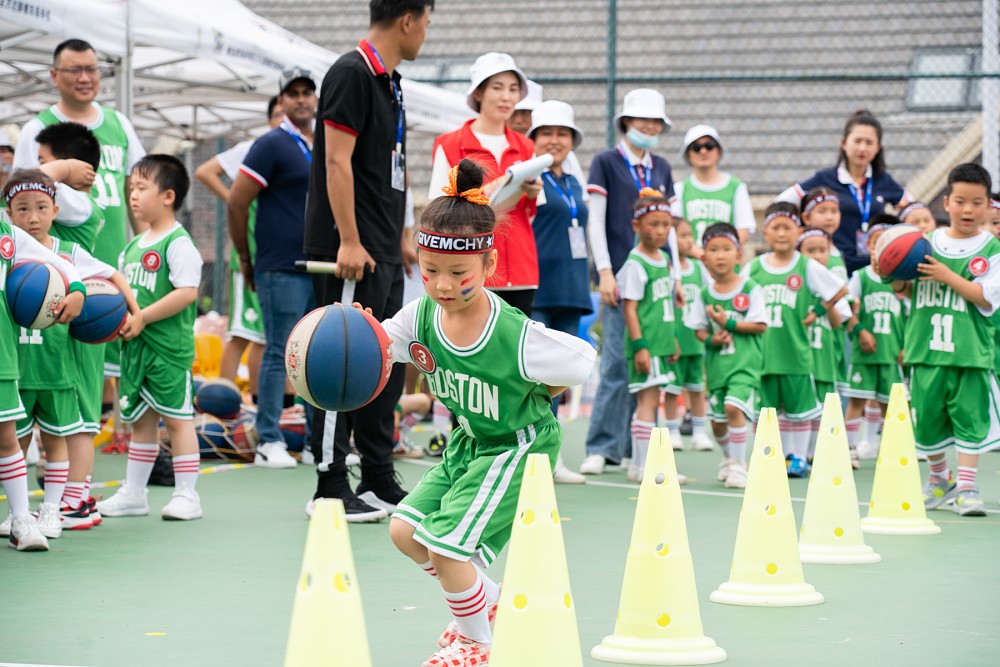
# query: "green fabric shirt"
649 283
880 311
743 357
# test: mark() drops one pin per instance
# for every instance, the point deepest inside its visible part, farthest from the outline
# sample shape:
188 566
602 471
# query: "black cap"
290 76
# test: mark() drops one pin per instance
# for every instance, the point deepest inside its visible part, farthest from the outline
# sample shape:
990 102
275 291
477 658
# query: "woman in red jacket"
497 86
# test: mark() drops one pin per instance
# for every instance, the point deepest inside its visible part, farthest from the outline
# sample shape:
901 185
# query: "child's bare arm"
932 269
170 305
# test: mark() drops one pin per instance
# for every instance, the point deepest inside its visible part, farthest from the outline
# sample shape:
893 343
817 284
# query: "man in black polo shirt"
354 216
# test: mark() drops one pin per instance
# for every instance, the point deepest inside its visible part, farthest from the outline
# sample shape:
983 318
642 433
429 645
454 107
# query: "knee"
401 534
732 413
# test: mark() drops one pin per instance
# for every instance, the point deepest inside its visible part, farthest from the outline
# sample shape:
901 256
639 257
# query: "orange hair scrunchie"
475 195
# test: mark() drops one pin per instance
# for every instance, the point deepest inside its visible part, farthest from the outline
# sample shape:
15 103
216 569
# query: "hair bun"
470 175
650 192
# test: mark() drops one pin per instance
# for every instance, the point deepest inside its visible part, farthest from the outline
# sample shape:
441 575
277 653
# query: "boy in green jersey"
949 343
728 316
797 290
163 267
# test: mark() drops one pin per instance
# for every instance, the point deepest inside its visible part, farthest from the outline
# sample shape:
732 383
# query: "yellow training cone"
536 615
766 569
897 504
659 622
328 625
831 525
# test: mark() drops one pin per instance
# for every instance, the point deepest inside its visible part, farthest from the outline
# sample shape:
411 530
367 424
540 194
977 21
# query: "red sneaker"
462 652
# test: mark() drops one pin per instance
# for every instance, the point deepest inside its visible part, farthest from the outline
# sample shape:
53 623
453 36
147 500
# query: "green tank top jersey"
490 397
703 208
147 271
656 310
787 300
46 356
86 233
692 284
943 328
881 312
234 258
9 369
744 356
822 340
836 264
109 185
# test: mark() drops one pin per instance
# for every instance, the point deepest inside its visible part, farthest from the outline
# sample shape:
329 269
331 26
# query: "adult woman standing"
862 184
497 86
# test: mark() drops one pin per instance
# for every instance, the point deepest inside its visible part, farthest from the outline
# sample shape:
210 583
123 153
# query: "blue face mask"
641 141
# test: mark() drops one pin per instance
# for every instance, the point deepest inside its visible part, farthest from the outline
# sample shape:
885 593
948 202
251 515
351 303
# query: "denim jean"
609 433
285 297
566 320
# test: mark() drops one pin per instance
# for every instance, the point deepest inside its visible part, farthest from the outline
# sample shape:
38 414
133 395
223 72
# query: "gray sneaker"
937 492
968 503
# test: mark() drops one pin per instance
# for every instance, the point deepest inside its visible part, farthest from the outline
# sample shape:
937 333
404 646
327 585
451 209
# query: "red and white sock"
641 432
186 470
408 422
86 487
14 477
471 612
873 417
787 427
441 418
801 433
939 468
723 442
141 457
966 478
738 443
428 567
853 427
813 436
56 473
73 496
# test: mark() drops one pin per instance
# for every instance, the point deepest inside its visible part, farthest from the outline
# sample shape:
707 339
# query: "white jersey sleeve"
75 207
555 358
756 311
232 159
697 319
135 150
990 282
439 175
185 263
27 249
743 217
400 329
822 282
854 286
89 266
677 203
26 151
632 281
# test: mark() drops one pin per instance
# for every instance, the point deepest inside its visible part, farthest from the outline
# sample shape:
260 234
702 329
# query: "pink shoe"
462 652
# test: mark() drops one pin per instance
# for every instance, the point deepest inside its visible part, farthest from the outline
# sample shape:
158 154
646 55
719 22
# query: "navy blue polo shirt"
563 282
278 164
610 176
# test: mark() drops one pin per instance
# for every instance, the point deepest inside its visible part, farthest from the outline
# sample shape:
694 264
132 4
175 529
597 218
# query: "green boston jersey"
692 282
703 208
655 301
9 369
836 264
490 399
943 328
822 340
109 185
84 233
743 358
880 311
787 301
147 270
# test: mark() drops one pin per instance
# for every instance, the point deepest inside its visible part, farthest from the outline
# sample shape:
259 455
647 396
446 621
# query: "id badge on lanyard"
398 166
865 207
577 236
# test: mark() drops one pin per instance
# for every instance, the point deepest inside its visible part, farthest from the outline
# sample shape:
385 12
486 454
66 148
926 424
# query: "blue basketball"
103 315
219 397
213 436
338 358
899 250
34 291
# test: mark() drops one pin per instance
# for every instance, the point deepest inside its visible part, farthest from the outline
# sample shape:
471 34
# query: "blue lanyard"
303 146
566 194
865 206
397 92
640 182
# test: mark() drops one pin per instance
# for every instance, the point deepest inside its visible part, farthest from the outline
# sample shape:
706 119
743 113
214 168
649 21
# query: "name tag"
862 243
577 243
398 171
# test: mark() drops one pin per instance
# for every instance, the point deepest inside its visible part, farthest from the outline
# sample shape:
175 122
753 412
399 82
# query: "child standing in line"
920 216
797 290
728 316
163 267
651 346
689 369
459 516
948 343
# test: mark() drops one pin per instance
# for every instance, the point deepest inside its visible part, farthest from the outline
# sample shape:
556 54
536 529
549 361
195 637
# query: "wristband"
857 331
639 344
730 325
76 286
819 309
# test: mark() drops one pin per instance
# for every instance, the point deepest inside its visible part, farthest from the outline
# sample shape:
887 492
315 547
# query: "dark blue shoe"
797 467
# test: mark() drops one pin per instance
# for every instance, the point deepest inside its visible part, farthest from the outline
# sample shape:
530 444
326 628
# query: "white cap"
488 65
5 139
532 99
696 133
643 103
554 113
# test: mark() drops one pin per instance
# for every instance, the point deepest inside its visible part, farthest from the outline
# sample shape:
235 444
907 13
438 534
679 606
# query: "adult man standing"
275 172
357 204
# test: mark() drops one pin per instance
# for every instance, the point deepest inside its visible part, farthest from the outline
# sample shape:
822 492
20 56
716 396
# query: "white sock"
853 427
14 477
698 425
56 473
471 612
441 418
73 495
674 426
492 588
873 417
428 567
186 470
86 487
641 432
141 457
724 441
787 435
800 439
813 436
738 443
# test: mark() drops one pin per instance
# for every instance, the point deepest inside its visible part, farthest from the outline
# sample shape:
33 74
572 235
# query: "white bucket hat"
644 103
5 139
696 133
532 99
488 65
554 113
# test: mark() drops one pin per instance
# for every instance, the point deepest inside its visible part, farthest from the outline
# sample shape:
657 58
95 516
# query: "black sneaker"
687 428
382 491
355 509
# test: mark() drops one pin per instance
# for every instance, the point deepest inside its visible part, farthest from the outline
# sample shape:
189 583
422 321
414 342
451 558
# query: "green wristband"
819 309
730 325
77 287
639 344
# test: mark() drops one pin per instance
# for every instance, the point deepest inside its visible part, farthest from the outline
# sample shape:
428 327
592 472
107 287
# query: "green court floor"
141 592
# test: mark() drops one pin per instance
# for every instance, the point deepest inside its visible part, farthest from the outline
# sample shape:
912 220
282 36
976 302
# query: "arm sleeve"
259 162
597 232
439 175
991 286
677 203
185 263
854 285
135 150
632 281
90 267
743 217
399 328
75 207
26 151
822 282
231 160
696 319
756 311
27 249
555 358
342 105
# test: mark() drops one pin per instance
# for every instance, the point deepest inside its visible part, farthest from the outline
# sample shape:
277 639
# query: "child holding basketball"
163 268
797 290
465 339
728 316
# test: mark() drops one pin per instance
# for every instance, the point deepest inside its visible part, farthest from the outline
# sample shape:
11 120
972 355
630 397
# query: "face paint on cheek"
469 293
425 278
466 281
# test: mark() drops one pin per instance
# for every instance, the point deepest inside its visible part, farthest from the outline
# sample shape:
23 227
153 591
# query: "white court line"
19 664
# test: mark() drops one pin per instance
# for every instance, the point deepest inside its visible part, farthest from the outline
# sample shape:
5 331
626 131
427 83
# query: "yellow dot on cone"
771 568
520 601
342 582
901 416
904 461
839 532
662 550
837 481
663 620
770 510
567 600
906 507
555 516
527 517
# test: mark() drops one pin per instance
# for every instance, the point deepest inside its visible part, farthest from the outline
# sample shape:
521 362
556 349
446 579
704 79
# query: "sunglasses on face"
704 145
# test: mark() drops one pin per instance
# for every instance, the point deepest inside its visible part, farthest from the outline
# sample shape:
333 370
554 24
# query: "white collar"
633 159
844 176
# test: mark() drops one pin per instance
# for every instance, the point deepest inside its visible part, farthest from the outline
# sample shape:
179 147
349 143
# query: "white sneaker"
867 451
737 478
682 479
5 526
855 459
49 520
563 475
25 535
593 465
184 505
352 459
307 457
634 474
702 443
125 503
676 441
273 455
724 466
626 462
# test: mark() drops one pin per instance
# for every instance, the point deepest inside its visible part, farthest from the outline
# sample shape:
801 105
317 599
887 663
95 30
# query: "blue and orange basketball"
34 291
899 250
219 397
338 358
103 315
213 436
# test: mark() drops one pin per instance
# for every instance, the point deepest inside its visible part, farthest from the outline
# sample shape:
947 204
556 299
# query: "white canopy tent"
189 69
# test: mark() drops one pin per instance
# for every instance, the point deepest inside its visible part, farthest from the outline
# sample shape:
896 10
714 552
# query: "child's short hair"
682 221
457 215
781 209
720 230
995 200
23 176
271 103
970 172
167 172
383 12
884 219
817 196
71 141
811 233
